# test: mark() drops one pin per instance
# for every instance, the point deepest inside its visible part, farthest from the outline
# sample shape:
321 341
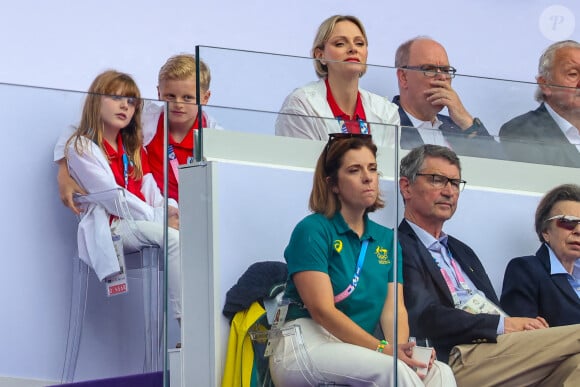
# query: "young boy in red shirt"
177 86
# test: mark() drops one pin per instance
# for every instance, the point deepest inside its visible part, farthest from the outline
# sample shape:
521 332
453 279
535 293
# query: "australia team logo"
382 255
337 245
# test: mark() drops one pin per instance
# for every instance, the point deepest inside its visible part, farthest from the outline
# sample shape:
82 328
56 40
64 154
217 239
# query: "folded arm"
92 172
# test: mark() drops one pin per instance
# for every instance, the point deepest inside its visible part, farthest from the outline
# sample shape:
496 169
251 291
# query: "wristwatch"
474 128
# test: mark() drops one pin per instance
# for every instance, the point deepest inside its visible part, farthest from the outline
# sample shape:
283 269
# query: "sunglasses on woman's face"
567 222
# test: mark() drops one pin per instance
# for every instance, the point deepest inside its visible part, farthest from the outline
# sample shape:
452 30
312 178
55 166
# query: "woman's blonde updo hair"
324 32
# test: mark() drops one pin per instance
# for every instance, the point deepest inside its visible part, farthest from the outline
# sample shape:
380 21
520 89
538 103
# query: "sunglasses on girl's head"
567 222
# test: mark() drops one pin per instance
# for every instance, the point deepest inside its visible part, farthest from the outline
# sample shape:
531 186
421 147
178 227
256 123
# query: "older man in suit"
551 133
450 299
424 77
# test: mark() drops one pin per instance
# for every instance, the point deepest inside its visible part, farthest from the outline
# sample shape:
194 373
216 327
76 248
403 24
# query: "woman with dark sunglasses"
548 284
341 283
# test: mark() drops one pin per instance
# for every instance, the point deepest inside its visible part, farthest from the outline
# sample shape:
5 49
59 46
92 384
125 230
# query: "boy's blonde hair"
182 66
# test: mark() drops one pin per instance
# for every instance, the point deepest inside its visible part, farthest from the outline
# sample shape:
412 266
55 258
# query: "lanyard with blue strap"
364 129
117 283
125 167
280 317
352 286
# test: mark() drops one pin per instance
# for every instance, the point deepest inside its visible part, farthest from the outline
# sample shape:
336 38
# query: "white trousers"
152 233
332 361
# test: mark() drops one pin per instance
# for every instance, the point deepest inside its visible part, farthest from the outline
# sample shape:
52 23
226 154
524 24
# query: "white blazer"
306 114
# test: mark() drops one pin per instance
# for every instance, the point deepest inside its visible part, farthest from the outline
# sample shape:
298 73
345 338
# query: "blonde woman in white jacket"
335 103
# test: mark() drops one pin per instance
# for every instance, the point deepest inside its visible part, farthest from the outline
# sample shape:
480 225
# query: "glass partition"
38 257
473 111
259 193
54 302
495 211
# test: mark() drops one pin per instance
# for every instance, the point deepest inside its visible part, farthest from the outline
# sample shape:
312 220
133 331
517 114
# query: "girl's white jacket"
91 170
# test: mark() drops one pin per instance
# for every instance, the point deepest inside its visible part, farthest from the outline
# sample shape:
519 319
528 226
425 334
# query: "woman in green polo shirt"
341 280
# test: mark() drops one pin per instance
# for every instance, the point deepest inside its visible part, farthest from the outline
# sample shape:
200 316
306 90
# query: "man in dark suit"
424 77
443 278
550 134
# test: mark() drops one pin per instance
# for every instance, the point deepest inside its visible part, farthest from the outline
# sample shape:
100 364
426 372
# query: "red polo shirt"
352 123
116 164
183 150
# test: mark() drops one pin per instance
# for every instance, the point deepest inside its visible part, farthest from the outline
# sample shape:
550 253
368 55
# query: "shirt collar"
112 153
556 266
417 123
342 227
187 142
564 125
576 270
427 239
359 112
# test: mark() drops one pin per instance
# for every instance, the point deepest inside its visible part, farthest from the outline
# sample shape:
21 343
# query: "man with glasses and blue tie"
424 77
450 299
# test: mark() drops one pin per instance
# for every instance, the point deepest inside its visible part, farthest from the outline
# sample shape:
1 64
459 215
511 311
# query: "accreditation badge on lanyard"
279 320
477 302
117 283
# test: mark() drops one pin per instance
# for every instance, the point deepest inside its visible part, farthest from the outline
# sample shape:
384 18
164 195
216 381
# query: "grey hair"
546 63
412 163
404 50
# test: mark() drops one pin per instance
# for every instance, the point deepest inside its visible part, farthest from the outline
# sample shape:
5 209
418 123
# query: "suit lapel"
559 280
428 261
473 269
563 152
410 136
549 127
465 263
